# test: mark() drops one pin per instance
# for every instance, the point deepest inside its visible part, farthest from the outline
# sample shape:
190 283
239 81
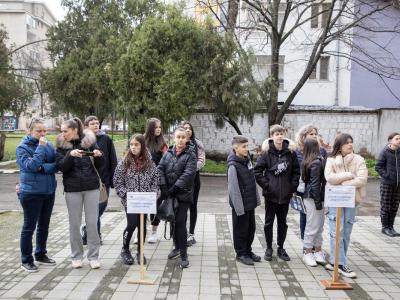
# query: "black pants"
244 228
133 222
390 198
193 206
154 220
179 228
281 211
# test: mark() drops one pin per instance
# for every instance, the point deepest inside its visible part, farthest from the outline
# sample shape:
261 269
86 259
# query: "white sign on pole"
340 195
141 203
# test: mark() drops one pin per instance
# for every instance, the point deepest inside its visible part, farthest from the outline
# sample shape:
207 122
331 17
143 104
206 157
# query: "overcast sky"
56 8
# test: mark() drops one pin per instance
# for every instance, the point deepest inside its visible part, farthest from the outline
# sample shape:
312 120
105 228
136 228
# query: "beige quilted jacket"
340 170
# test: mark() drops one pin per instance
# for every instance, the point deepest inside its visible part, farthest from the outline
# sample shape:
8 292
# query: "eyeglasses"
34 121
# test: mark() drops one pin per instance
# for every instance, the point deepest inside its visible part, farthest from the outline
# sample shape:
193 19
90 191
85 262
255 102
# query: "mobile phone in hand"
87 153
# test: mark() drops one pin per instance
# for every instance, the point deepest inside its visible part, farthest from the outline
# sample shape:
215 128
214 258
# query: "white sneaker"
153 238
76 264
320 257
329 267
94 264
309 259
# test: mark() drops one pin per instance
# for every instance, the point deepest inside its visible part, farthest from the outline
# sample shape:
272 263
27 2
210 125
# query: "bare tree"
316 28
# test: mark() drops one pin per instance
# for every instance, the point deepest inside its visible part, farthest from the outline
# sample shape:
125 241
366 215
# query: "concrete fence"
369 127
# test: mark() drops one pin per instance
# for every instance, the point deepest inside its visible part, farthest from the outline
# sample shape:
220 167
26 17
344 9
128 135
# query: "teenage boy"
388 168
277 171
243 199
106 171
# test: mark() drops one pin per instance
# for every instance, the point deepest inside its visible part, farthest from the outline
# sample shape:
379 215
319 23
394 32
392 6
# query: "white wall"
369 128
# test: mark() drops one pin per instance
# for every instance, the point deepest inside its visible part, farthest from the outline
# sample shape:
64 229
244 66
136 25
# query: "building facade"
336 80
27 23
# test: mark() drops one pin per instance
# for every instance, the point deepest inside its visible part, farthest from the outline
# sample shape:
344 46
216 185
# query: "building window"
262 69
321 70
320 15
31 22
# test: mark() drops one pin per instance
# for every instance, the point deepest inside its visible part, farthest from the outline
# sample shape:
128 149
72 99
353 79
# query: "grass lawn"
212 166
13 140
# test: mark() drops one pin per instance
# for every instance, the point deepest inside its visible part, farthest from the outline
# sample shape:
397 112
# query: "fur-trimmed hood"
88 140
265 145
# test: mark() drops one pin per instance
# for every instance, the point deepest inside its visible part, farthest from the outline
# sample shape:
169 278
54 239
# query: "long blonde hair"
302 134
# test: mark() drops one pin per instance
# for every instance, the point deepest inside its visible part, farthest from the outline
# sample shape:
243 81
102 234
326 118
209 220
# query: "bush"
371 167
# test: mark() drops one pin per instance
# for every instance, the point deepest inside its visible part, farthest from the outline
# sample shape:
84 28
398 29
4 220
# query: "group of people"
87 159
287 169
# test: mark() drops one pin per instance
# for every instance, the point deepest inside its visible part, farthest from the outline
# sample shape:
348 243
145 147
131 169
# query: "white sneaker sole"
29 271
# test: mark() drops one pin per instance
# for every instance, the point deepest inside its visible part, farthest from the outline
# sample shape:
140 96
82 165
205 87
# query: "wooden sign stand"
145 279
336 283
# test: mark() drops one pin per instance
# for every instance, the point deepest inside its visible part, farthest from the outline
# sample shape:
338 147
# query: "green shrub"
371 167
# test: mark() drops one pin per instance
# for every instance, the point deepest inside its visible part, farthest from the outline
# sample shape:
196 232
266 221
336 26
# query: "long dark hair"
193 137
153 142
75 123
341 139
144 154
310 153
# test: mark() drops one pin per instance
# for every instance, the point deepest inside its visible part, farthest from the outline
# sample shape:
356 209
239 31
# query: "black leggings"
193 206
132 222
179 228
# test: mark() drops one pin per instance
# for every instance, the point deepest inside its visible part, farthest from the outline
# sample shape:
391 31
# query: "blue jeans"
37 212
346 226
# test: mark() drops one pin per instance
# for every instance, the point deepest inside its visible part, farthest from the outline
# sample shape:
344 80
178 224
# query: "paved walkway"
213 274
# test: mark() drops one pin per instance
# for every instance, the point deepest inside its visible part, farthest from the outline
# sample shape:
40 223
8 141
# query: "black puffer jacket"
315 183
107 170
78 173
179 171
388 166
278 173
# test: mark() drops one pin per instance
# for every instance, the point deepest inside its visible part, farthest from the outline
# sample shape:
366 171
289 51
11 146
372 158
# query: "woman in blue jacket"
37 186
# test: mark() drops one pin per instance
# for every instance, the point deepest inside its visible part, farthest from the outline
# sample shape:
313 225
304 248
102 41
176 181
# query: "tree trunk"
2 144
234 125
233 9
275 50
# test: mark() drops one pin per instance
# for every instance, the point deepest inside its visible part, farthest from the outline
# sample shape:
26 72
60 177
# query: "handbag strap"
92 161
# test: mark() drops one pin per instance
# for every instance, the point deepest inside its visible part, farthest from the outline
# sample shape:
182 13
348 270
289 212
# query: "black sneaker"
184 263
347 272
387 231
255 257
29 267
394 232
175 253
45 260
245 259
126 256
84 234
138 259
282 254
268 254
